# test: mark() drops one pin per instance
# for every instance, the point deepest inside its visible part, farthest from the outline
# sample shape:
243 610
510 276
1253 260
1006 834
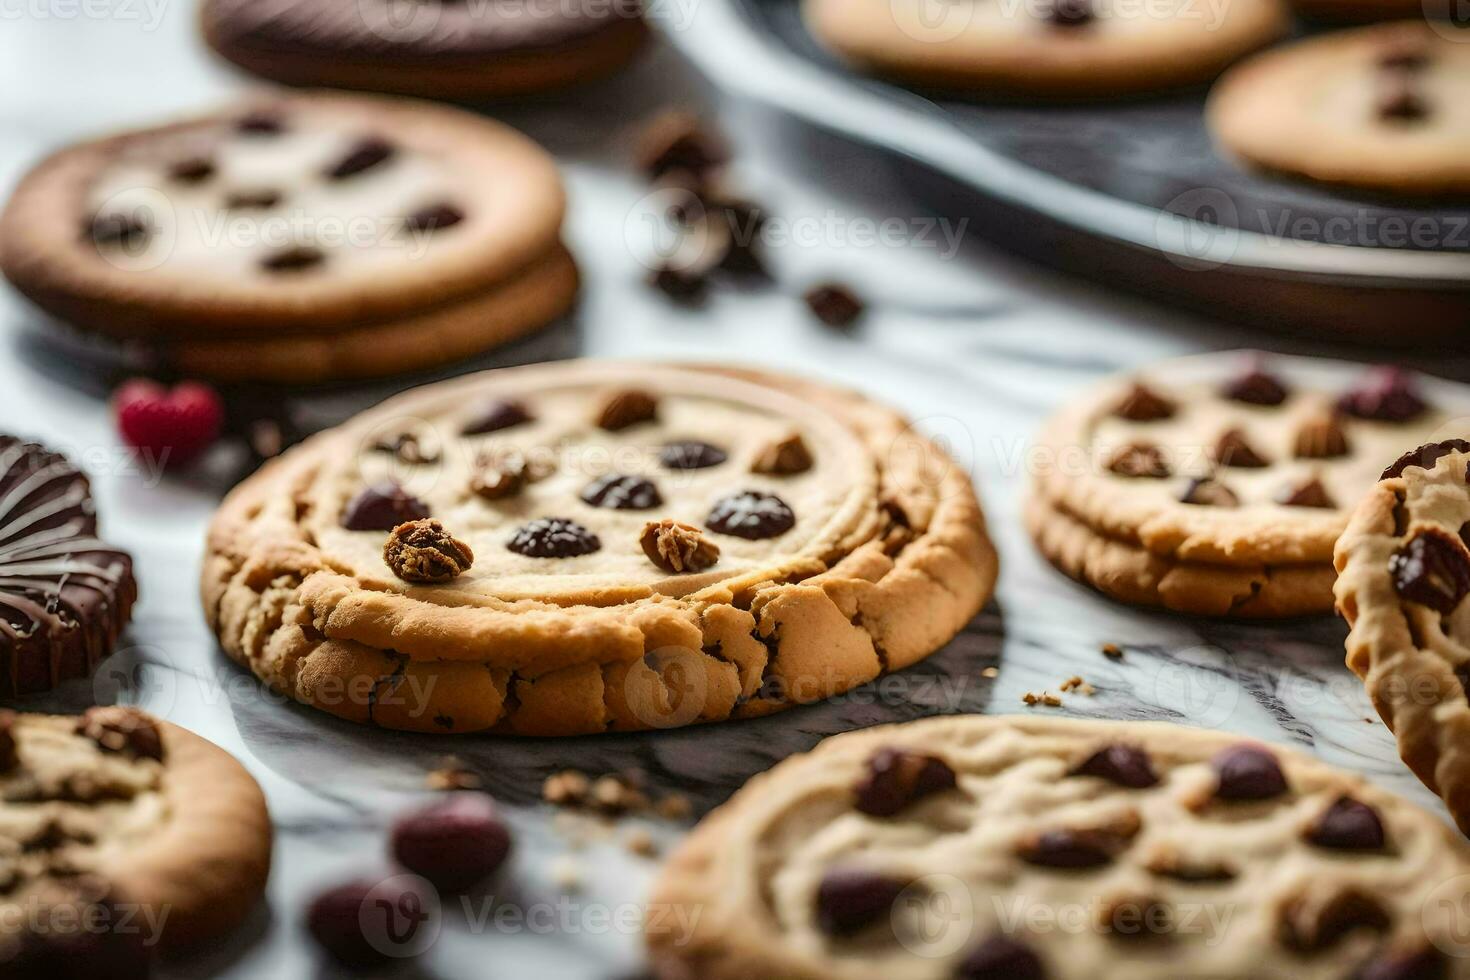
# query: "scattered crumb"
567 788
452 775
1112 651
1368 721
991 672
613 794
675 806
641 843
1045 697
1078 684
566 873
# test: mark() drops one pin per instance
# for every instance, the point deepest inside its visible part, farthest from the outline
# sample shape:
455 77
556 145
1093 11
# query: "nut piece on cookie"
122 729
423 551
678 548
784 457
626 408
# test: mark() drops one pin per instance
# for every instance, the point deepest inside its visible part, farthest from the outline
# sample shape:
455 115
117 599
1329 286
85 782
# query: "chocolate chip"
497 415
1141 461
784 457
897 777
1412 964
1070 849
691 455
1310 924
1134 917
679 281
454 844
752 515
1000 958
1432 569
382 507
123 730
295 259
676 141
834 304
1125 765
1425 456
112 228
1205 492
423 551
251 200
1348 825
9 758
1143 404
195 170
1385 395
626 408
744 221
1234 450
1322 437
500 476
1071 13
1311 493
677 548
1400 101
850 899
434 217
1247 772
367 153
617 492
553 537
1256 387
261 123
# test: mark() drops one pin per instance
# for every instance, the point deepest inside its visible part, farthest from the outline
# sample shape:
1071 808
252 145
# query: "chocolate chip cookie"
298 238
121 837
1379 108
618 546
1218 484
1404 571
65 595
442 49
1068 49
1004 847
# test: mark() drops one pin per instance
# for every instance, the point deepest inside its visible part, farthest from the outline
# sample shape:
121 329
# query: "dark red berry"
382 507
850 899
1070 849
455 843
1246 772
495 416
1125 765
1000 958
1386 394
1433 569
366 924
617 492
1348 825
896 778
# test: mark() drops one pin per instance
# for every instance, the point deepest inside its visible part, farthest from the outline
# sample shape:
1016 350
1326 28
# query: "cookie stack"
298 238
1219 484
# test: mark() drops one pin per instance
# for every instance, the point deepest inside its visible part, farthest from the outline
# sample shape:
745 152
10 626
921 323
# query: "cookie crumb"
1075 683
675 806
567 788
835 304
1044 698
641 843
990 672
1112 651
450 775
566 873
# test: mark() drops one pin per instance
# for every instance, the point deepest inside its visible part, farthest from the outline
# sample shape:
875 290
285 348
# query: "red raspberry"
455 843
173 426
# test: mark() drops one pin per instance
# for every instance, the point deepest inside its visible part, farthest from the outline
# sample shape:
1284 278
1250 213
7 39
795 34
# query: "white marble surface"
978 346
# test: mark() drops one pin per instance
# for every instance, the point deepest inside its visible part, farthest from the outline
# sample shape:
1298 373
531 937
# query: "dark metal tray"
1130 193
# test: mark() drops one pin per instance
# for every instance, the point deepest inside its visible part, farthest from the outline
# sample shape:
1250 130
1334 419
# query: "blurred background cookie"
435 48
299 238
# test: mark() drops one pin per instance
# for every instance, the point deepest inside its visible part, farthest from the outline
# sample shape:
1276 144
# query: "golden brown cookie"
1404 569
151 838
1008 847
334 231
783 587
1218 484
1379 108
440 49
1071 49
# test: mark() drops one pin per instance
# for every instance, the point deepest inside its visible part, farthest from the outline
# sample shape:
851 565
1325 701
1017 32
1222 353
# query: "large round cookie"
65 595
1046 48
437 48
305 220
1380 108
972 848
823 543
1404 571
1218 486
159 838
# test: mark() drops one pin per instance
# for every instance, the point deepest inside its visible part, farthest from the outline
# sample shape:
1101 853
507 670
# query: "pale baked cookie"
596 546
1218 484
1404 570
300 238
121 837
1379 108
446 49
65 595
968 847
1074 49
